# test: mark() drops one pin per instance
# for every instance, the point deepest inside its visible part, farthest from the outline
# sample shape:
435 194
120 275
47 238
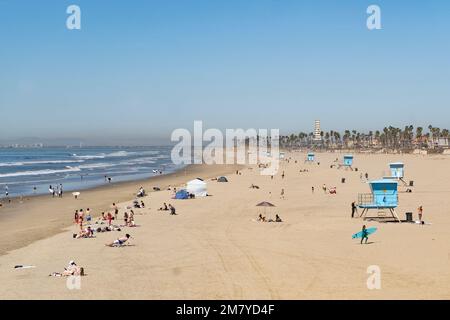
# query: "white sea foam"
26 163
39 172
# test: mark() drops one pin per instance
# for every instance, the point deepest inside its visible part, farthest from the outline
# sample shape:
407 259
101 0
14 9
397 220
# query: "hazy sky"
144 68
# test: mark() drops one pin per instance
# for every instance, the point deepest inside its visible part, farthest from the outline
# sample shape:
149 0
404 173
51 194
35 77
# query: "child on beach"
109 217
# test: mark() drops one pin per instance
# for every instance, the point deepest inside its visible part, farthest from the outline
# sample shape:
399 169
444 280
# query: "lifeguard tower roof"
397 164
381 181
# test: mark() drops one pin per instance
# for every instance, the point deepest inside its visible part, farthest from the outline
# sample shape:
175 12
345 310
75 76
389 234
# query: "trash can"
411 183
343 180
409 216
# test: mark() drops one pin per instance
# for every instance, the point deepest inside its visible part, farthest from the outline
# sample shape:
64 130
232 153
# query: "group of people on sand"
262 218
168 207
128 219
56 191
80 216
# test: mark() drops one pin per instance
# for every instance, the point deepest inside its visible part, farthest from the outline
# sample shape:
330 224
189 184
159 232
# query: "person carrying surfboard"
364 234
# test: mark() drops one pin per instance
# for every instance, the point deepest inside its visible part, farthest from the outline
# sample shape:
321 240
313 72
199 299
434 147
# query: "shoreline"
31 218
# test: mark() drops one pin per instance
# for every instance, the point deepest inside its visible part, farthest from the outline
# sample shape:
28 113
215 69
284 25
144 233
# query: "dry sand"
213 248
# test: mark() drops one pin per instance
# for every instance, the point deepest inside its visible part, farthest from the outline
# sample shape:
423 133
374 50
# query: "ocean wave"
89 157
26 163
116 154
97 165
145 160
40 172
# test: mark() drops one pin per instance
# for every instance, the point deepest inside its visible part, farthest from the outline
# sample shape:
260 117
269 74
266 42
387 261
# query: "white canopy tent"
197 187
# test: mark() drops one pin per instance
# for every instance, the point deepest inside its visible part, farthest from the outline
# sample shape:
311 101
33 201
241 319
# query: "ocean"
28 171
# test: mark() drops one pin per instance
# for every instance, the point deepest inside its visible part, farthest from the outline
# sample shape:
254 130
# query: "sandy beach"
215 249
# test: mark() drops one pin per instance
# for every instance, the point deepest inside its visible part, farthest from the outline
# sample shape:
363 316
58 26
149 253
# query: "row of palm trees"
388 138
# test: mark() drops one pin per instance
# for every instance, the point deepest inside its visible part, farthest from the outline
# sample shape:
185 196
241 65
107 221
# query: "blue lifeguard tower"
348 162
383 196
397 170
310 157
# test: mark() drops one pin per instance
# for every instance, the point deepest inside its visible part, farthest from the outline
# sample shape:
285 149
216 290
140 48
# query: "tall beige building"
317 131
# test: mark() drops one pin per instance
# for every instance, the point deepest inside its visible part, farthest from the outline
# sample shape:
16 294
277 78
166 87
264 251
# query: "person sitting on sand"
119 242
164 207
71 270
277 218
142 204
86 233
261 218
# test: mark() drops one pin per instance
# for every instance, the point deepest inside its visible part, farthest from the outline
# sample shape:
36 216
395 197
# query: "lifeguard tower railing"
369 200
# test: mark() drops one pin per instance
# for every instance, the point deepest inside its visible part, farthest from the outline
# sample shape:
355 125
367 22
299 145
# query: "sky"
139 69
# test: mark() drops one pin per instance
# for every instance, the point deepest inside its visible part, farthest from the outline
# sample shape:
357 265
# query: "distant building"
317 131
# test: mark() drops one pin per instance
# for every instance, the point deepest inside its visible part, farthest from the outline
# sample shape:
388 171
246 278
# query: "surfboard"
359 234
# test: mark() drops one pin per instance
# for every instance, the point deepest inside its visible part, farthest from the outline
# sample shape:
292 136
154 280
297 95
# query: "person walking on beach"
6 191
312 189
282 194
354 209
365 234
172 210
116 211
420 213
282 175
75 218
60 194
324 188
